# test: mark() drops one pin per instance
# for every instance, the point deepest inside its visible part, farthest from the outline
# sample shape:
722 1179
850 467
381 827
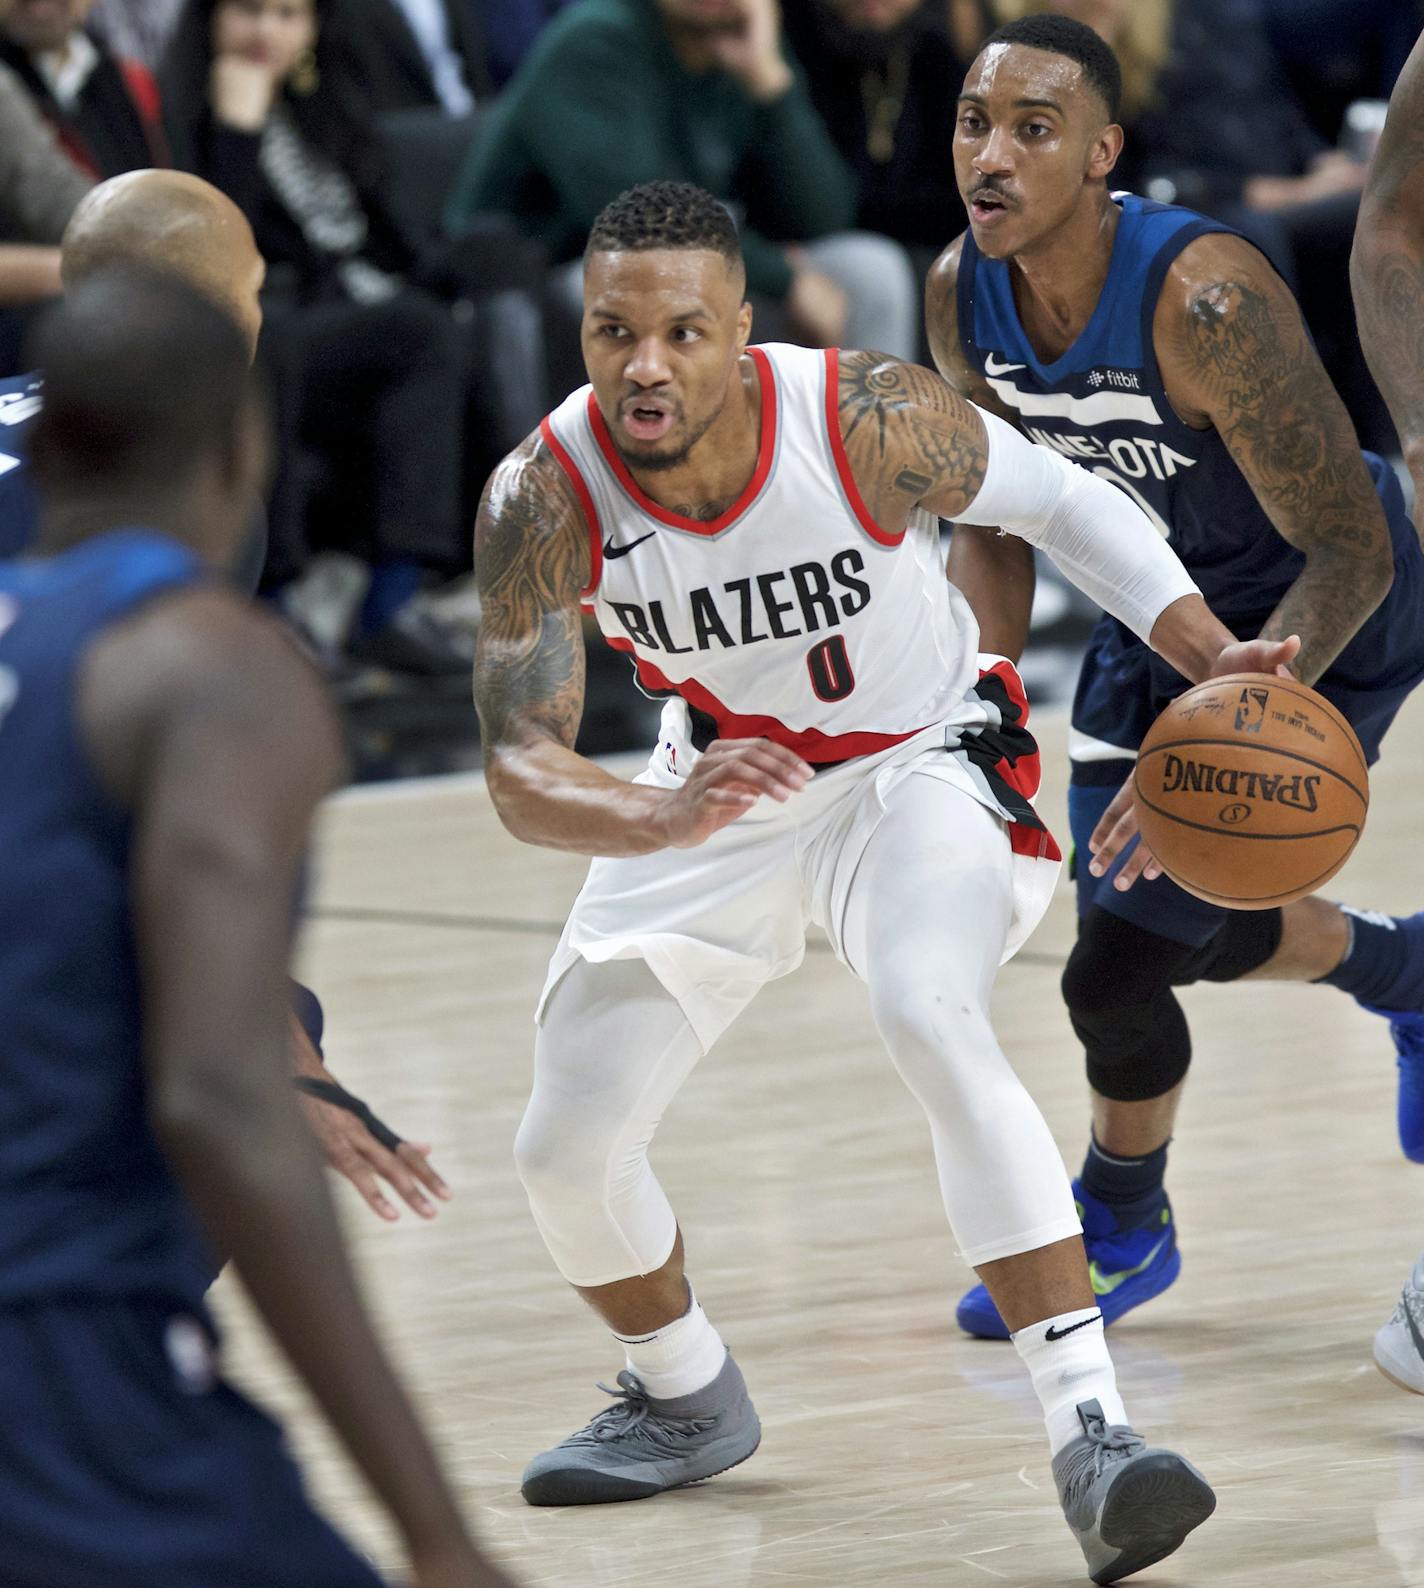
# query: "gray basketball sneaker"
1128 1505
641 1446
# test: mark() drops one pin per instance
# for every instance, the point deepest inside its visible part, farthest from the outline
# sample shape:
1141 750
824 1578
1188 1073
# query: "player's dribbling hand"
731 775
1117 828
1257 656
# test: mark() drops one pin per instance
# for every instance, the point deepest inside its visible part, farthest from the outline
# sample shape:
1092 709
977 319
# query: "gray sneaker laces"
1106 1446
633 1413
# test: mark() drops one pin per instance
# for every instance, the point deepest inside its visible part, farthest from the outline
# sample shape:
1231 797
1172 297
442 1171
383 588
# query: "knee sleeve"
611 1052
1118 987
1247 939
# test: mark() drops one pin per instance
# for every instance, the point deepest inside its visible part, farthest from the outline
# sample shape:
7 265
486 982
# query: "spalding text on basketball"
1297 790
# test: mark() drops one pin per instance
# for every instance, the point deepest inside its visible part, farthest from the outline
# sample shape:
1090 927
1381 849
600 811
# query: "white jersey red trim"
793 615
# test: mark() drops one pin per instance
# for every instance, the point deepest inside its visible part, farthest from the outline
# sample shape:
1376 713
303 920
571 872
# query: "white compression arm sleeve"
1096 534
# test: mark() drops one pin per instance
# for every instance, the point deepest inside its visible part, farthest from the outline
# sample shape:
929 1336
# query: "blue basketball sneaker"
1407 1030
1128 1263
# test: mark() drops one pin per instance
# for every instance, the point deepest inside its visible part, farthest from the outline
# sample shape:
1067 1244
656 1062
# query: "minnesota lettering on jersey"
763 606
1137 456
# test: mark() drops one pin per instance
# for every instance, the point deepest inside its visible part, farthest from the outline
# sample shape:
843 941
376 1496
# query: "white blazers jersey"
793 616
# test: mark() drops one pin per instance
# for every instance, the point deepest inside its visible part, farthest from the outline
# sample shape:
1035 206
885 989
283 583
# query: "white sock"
678 1359
1067 1358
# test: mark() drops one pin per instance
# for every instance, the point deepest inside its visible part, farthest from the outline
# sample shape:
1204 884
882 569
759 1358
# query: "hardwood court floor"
896 1452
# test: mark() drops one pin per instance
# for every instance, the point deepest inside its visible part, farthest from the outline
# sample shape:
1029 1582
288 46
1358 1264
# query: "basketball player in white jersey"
756 529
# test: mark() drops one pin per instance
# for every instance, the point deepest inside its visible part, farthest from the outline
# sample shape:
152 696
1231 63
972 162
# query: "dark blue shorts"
124 1464
1122 687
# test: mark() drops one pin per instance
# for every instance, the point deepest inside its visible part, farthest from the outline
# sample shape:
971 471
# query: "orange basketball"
1251 791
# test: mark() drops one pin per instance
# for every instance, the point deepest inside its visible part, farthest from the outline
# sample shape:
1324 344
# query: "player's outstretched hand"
729 778
357 1144
349 1147
1115 832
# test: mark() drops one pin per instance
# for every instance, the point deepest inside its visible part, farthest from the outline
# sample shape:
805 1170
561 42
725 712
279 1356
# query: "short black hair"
1066 36
666 215
141 376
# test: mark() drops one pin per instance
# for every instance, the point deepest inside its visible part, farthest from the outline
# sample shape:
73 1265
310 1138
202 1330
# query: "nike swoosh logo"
1051 1333
7 463
610 550
1105 1284
993 367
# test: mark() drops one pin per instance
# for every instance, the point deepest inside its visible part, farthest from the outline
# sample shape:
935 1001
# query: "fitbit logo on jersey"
1297 790
767 606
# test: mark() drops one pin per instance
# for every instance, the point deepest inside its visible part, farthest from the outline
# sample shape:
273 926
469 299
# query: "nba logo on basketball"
1251 712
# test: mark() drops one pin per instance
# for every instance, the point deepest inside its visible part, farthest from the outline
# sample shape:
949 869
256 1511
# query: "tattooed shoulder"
1235 344
908 436
1230 336
529 510
532 560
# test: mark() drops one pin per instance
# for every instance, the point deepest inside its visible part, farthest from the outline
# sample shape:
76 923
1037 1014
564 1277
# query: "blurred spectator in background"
103 107
415 54
618 92
1338 51
511 26
137 29
368 372
39 188
885 78
1212 124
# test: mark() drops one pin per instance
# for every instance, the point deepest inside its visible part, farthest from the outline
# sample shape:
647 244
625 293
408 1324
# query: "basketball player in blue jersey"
170 221
162 749
754 527
1160 351
1387 274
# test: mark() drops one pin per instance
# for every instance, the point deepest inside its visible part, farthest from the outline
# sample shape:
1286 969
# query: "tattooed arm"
1235 355
532 558
913 442
994 571
1387 267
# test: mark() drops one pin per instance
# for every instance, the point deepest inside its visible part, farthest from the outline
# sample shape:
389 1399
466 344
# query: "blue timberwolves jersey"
87 1204
20 402
1103 404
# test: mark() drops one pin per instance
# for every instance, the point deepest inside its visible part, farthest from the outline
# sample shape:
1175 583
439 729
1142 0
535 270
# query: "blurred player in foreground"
162 749
181 225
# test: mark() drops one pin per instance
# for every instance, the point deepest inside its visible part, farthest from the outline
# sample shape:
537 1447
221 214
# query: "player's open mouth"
647 421
986 207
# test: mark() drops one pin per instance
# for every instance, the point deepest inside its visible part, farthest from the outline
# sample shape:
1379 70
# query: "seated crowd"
421 177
